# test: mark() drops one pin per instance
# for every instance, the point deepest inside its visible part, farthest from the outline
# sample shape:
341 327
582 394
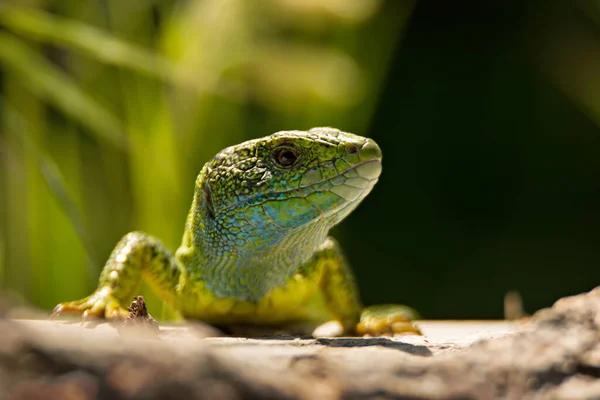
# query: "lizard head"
289 180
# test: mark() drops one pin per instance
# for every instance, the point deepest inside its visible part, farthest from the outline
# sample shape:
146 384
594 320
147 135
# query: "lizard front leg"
343 301
136 255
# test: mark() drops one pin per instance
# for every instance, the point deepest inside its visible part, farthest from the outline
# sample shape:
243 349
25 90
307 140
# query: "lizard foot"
100 304
387 320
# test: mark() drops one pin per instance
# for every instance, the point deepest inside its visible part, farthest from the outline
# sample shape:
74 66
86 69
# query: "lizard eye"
285 156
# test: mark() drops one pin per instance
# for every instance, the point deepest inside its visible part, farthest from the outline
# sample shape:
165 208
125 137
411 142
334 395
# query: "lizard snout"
370 151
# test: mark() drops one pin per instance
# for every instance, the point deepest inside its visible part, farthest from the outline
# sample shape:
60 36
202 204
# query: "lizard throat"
248 273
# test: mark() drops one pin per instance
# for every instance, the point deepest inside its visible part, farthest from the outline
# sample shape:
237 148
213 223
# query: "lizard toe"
387 320
98 305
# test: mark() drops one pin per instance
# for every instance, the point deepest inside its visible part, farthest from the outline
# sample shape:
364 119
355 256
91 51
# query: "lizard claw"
329 329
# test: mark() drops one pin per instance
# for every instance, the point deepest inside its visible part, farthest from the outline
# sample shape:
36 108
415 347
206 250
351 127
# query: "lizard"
255 249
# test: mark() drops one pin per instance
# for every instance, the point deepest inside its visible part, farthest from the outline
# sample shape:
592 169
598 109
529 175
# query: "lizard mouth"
358 181
349 186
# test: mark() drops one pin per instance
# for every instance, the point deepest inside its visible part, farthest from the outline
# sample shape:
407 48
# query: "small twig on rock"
139 321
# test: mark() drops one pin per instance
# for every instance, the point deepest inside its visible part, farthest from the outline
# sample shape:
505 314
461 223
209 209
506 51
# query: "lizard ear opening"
208 200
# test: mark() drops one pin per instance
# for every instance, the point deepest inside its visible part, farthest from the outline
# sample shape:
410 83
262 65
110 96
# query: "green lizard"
255 249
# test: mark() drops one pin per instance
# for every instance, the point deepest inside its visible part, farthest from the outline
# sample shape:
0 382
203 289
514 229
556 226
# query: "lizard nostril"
370 151
352 149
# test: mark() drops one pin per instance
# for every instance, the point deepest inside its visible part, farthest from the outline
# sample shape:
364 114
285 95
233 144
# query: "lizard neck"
243 260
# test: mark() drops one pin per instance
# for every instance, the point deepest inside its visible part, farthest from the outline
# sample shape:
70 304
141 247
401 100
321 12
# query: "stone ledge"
555 355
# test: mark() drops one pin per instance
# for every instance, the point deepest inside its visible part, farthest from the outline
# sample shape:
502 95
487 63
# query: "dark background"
487 114
491 173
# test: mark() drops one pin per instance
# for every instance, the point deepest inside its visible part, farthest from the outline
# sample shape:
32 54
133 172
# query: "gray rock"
553 355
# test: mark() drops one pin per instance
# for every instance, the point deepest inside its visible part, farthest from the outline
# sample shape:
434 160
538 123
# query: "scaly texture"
255 248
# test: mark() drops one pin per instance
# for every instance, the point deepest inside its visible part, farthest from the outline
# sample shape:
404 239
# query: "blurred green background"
488 115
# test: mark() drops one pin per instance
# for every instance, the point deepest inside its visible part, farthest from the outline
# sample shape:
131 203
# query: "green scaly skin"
255 249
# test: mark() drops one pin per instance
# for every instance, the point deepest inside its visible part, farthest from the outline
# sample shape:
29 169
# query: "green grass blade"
106 48
54 86
96 43
56 184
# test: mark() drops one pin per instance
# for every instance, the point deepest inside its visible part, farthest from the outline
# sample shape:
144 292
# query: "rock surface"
554 355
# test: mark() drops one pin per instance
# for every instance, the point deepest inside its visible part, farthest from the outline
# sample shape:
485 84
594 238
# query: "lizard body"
255 249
